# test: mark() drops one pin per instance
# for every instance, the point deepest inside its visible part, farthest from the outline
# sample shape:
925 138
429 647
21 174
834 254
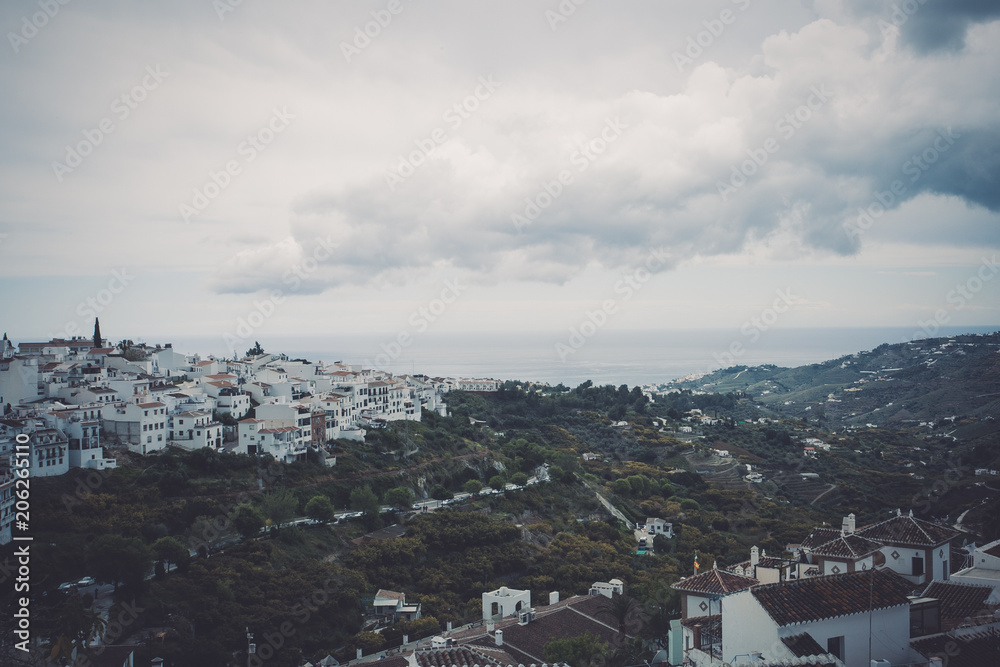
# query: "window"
945 570
918 566
835 646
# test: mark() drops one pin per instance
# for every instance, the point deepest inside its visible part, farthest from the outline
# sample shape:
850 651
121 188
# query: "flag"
696 566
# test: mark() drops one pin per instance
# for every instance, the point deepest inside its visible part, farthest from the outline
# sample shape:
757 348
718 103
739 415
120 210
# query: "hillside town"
899 591
80 402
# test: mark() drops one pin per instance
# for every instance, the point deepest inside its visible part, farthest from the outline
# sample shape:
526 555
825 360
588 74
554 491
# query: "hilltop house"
392 606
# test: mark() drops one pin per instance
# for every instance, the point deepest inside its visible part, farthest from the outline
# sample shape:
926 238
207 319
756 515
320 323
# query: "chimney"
754 555
553 597
498 637
847 528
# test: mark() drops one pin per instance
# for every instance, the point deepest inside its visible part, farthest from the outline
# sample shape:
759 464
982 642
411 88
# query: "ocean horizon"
608 357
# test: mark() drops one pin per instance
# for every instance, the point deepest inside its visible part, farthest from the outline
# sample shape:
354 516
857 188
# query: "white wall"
890 635
747 628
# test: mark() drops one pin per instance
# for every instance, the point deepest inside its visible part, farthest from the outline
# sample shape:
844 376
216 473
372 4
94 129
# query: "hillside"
902 384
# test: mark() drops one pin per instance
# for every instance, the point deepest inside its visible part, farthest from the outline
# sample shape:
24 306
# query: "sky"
244 169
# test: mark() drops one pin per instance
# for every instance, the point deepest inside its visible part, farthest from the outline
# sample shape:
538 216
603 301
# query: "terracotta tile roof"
457 655
715 582
847 546
908 530
712 623
803 645
976 650
958 601
527 642
828 597
819 536
994 550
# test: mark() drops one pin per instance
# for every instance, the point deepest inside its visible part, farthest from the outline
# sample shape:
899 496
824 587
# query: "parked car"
86 581
67 586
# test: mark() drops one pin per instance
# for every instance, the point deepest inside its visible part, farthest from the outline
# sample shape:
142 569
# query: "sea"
605 357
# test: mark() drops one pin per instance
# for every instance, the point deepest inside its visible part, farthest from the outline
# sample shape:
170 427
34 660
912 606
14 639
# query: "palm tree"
624 611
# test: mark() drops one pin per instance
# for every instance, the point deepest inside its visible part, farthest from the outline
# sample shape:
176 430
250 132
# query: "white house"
917 550
985 569
656 526
504 602
262 436
608 588
195 430
701 593
857 618
393 605
18 381
142 426
82 427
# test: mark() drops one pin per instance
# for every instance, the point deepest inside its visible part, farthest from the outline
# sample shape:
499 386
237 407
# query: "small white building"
504 602
656 526
608 589
985 569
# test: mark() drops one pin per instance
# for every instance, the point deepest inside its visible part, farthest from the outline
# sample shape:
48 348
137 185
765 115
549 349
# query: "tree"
577 651
118 559
497 482
278 507
320 508
624 611
400 497
256 350
439 492
519 478
98 341
473 486
363 499
170 550
247 520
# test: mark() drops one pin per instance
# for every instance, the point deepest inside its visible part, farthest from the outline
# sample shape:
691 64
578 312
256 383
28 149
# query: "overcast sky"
536 156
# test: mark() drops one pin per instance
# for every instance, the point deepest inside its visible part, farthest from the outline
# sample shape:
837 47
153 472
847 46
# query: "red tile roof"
958 601
910 531
819 536
847 546
976 650
715 582
993 551
819 598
